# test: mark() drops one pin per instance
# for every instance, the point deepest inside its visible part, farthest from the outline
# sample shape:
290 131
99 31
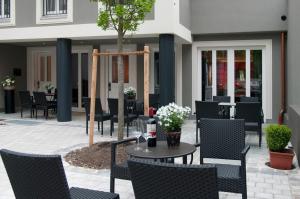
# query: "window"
7 12
54 7
4 9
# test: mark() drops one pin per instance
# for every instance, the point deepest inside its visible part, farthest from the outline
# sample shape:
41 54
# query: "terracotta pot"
173 138
282 160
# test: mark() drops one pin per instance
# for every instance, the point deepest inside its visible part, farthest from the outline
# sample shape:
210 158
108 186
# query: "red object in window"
151 111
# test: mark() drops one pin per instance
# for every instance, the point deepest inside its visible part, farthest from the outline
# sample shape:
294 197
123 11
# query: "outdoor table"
162 151
226 104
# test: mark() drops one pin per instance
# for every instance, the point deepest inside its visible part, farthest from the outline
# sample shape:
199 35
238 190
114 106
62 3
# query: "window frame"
8 21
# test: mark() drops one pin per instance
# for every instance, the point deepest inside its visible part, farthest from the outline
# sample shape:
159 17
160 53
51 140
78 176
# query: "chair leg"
46 113
244 194
102 127
86 126
98 126
21 112
260 135
127 129
112 125
36 113
112 184
111 128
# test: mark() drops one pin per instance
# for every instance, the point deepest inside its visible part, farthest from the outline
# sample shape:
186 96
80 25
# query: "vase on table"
173 138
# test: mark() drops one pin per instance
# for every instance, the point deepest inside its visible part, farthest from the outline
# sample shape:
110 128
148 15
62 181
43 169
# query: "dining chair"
43 177
248 99
41 103
26 102
155 180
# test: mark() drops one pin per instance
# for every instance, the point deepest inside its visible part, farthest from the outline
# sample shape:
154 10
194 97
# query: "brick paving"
50 137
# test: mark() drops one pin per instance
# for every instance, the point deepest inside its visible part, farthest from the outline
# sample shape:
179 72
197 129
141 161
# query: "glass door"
44 71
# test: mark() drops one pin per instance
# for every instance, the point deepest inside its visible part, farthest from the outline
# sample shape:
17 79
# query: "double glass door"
232 72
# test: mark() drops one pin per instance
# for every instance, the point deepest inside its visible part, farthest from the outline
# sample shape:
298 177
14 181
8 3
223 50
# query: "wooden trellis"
97 54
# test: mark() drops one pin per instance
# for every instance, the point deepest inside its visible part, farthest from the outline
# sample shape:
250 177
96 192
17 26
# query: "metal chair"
251 112
100 115
248 99
26 102
43 176
225 139
41 103
205 110
113 110
156 180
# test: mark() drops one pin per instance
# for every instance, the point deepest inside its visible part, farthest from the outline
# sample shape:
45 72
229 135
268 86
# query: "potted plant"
8 83
130 92
171 119
278 137
49 87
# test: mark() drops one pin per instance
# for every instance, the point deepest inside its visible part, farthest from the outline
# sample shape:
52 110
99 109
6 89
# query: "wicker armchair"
252 113
225 139
155 180
248 99
43 176
205 110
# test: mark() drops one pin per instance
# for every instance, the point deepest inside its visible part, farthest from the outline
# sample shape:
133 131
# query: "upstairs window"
4 9
55 7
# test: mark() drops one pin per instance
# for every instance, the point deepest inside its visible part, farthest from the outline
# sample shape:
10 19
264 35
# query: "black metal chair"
225 139
251 112
113 110
248 99
43 176
156 180
205 110
154 101
100 115
26 102
41 103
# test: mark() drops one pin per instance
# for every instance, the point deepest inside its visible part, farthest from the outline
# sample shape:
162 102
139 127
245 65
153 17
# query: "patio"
50 137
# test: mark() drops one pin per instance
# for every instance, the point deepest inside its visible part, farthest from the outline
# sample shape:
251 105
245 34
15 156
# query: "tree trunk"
121 88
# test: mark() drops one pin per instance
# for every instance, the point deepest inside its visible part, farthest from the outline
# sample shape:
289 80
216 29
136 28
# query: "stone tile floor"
50 137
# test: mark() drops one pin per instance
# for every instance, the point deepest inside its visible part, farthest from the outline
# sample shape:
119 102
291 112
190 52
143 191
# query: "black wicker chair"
113 110
205 110
221 98
41 103
251 112
26 102
100 115
248 99
225 139
43 176
155 180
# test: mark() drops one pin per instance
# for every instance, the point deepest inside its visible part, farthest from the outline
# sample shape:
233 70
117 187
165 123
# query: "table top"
161 151
227 104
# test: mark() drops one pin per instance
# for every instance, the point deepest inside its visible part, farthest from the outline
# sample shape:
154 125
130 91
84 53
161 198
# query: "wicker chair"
113 110
41 103
155 180
225 139
26 102
100 115
205 110
43 176
248 99
221 98
251 112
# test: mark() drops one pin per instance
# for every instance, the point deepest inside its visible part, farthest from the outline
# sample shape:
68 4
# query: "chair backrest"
206 109
249 111
25 98
36 176
168 181
86 103
221 98
113 106
40 98
248 99
154 100
222 138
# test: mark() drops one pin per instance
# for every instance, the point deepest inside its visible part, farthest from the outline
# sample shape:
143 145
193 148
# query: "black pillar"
64 80
166 69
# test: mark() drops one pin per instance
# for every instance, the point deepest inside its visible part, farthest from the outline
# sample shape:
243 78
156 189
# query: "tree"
122 16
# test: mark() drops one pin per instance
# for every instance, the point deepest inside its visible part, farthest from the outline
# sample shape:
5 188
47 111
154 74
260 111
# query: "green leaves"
278 136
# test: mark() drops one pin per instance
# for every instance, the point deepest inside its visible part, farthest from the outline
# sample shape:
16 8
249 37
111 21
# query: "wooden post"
93 96
146 80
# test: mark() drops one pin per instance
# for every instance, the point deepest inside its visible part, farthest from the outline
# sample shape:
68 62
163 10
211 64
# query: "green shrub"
278 137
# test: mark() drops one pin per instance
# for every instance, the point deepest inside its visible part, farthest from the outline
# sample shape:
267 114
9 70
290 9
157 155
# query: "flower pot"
282 160
173 138
9 87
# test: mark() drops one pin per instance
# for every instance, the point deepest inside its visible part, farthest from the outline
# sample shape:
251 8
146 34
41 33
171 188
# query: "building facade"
199 48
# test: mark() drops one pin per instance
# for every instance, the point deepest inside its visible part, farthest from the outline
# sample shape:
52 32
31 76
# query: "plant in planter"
8 82
278 137
171 118
130 92
49 87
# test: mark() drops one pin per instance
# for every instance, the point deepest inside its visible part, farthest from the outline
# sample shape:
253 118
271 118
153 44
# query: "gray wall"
187 75
226 16
293 67
185 13
84 12
13 57
187 72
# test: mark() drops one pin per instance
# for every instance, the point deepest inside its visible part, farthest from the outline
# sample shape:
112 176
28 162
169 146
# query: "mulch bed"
96 157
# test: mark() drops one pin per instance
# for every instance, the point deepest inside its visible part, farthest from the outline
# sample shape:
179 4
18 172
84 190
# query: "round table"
162 151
